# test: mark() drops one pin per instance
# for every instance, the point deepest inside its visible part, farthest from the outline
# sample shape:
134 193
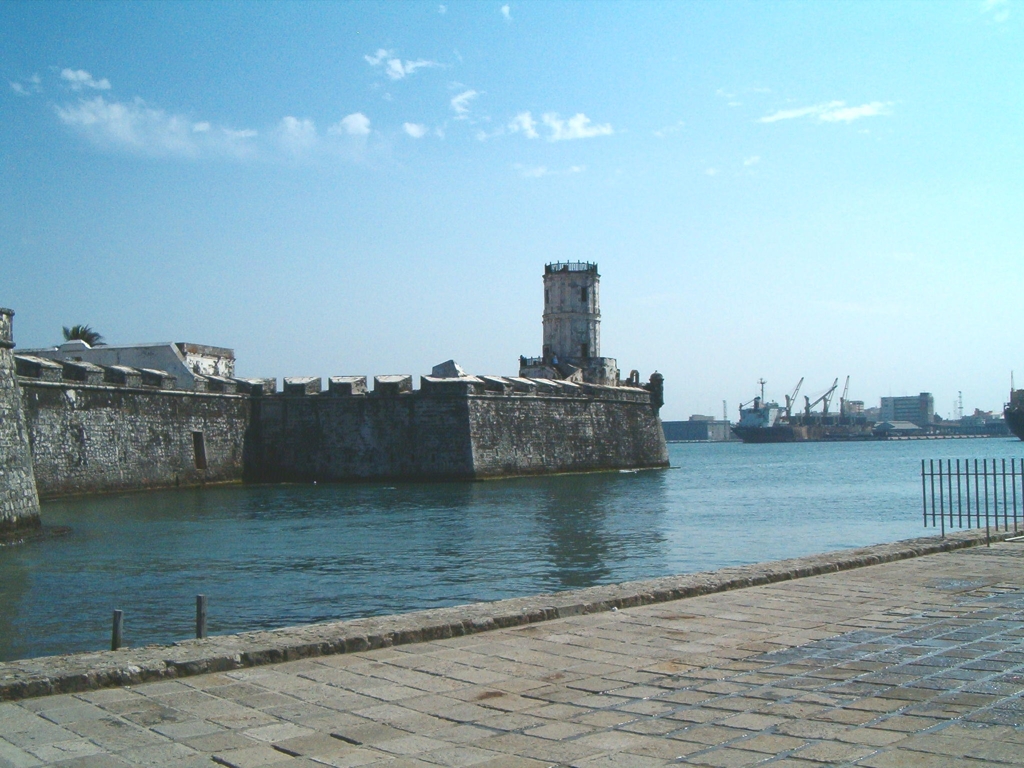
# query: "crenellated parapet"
489 386
34 370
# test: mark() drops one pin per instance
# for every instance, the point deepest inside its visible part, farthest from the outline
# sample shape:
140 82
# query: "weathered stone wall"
329 438
88 439
452 429
535 434
19 504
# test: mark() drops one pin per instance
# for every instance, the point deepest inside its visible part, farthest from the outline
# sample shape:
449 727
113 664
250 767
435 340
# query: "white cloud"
416 130
576 127
754 160
460 103
356 124
711 172
830 112
136 127
669 129
849 114
524 122
506 12
792 114
442 9
378 57
394 67
19 89
539 171
1000 9
79 79
296 136
531 172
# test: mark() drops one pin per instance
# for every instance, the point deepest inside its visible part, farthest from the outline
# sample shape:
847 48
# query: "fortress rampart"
81 419
19 503
113 428
466 427
90 438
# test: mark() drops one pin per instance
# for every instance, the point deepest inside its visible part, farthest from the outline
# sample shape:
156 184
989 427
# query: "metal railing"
959 495
570 266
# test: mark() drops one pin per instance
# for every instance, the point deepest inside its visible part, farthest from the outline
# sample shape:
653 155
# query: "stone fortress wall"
78 419
113 432
463 427
125 435
19 504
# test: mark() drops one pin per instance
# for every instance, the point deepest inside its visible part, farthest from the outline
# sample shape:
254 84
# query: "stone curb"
72 673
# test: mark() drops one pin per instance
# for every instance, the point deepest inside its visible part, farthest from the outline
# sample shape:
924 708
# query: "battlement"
31 369
570 266
401 386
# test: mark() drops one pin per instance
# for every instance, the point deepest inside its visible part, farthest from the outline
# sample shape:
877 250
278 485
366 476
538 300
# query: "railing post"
924 496
1013 485
942 504
988 535
931 480
977 496
967 479
959 505
949 487
1006 512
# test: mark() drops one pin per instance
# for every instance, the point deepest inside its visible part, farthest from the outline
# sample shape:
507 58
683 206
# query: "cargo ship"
1013 413
763 421
766 422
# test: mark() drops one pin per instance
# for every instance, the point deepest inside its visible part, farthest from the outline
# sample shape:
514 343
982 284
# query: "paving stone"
869 663
832 752
727 758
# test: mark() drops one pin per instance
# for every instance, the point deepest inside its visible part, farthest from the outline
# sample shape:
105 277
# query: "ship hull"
775 434
1014 417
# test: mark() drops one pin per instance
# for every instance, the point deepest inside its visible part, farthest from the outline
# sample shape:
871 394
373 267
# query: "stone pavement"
918 662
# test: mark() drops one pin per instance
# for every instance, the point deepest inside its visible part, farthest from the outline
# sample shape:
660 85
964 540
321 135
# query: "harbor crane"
842 399
825 398
790 399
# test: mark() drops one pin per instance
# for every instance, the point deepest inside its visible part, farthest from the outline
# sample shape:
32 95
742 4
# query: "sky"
770 190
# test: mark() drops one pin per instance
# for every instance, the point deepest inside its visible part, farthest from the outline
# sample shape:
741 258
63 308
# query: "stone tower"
572 328
19 503
572 312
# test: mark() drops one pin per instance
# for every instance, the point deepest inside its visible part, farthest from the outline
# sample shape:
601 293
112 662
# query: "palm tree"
83 333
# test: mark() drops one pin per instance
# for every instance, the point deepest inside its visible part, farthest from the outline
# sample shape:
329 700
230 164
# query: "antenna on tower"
725 411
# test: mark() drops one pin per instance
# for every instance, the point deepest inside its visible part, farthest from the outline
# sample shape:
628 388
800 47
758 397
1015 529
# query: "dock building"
919 410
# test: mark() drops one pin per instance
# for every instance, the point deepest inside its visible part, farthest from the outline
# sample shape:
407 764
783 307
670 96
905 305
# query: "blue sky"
770 190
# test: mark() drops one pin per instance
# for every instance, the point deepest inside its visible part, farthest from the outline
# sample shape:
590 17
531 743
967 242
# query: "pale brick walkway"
913 663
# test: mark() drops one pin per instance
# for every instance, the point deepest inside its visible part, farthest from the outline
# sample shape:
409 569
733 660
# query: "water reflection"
270 556
593 523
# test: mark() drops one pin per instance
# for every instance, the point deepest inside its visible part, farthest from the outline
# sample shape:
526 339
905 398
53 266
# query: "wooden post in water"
200 616
117 630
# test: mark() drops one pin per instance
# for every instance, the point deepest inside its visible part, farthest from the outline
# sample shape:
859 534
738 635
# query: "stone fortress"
77 419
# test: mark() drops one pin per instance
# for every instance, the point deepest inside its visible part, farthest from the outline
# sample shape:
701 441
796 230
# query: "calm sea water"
272 556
